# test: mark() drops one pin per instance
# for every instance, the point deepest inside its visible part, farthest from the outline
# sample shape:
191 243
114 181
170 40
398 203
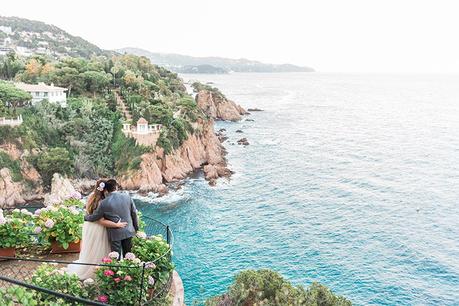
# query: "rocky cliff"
219 107
157 169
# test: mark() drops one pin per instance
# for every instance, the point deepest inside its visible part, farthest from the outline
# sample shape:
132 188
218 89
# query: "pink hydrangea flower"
128 278
151 281
129 256
109 273
2 220
150 265
114 255
106 260
49 223
117 280
102 298
37 230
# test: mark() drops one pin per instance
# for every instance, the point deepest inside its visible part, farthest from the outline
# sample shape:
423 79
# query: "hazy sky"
335 36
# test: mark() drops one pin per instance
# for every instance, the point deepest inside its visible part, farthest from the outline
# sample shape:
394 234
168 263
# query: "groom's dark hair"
111 185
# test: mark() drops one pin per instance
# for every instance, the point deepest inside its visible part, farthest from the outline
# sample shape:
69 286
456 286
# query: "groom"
117 207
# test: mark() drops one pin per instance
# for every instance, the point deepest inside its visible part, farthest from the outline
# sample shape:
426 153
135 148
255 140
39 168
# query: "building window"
45 94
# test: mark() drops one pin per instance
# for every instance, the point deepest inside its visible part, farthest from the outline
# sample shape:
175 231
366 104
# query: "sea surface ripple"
349 180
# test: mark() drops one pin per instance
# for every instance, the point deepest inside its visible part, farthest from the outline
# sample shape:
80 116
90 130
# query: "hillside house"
41 91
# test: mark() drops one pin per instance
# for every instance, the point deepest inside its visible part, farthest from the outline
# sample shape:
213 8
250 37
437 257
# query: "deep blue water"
350 180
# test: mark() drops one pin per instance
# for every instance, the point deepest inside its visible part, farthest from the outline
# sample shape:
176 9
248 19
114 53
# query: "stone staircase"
122 107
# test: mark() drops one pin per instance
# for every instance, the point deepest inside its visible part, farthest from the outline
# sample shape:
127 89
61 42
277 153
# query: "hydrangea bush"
59 223
14 231
119 280
154 249
50 277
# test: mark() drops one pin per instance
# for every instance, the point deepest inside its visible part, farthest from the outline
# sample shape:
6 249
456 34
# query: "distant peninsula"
214 65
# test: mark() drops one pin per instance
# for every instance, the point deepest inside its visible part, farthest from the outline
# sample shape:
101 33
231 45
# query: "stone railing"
11 122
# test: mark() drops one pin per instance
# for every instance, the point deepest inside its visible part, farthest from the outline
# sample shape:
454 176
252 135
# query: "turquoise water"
350 180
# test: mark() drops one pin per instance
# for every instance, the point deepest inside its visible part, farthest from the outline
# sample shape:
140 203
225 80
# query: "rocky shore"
202 150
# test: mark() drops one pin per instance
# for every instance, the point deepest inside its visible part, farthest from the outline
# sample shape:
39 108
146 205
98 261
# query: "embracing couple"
110 223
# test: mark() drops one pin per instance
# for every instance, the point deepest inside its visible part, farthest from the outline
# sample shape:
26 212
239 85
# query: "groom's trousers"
122 246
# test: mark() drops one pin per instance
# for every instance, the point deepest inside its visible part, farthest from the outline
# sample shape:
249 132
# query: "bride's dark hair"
96 196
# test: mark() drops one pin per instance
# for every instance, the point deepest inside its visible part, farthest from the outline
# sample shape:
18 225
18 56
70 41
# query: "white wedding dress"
95 245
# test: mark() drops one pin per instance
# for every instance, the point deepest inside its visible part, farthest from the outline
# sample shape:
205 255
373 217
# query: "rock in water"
243 141
239 131
254 110
61 189
10 191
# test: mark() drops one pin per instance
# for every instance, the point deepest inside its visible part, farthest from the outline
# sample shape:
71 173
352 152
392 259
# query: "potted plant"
61 226
14 232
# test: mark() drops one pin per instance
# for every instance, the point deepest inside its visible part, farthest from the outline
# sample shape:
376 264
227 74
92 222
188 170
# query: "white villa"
144 133
41 92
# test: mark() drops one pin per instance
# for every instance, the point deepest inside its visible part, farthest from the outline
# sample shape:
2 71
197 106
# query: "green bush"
55 160
49 277
269 288
152 249
14 165
16 295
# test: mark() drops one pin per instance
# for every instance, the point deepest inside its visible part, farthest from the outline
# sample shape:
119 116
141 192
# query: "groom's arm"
96 215
135 220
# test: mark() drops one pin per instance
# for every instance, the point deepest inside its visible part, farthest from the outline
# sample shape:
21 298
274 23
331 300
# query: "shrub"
16 295
59 223
55 160
13 165
120 280
14 230
49 277
266 287
154 249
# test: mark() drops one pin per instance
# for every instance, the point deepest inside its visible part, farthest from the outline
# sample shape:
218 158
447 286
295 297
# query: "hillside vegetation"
39 37
85 138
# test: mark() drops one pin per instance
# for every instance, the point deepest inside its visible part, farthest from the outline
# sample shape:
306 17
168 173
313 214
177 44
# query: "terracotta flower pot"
56 248
7 252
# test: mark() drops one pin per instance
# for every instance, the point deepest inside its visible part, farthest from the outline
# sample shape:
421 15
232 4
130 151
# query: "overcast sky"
332 36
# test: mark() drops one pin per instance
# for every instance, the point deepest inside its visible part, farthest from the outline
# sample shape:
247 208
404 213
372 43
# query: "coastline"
157 172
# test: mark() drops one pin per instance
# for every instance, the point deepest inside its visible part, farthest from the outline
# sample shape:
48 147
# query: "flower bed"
15 231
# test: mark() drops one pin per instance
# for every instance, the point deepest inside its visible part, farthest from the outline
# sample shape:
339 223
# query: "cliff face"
157 169
14 193
218 107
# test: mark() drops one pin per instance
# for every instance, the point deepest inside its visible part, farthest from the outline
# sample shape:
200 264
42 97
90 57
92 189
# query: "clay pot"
7 252
74 247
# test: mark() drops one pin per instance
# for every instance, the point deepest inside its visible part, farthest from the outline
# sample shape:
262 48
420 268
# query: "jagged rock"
243 141
218 107
157 168
10 191
61 189
254 110
221 130
248 119
239 131
210 172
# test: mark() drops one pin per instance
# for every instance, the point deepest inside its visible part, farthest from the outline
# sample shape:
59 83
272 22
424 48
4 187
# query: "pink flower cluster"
102 298
109 273
106 260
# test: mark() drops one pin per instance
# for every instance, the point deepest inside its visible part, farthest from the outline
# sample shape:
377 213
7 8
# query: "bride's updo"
96 196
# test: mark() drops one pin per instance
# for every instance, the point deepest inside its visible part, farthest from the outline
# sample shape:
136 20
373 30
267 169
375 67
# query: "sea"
350 180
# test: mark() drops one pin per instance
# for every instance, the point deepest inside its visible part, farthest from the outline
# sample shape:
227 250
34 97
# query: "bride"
95 244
